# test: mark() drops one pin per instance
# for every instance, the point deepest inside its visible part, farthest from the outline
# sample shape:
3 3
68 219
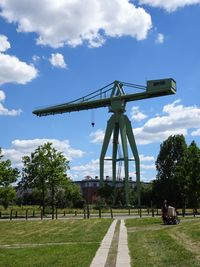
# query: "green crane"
114 97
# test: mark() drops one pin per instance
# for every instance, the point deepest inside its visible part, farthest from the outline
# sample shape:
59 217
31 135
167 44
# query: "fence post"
194 213
0 214
152 212
100 213
11 214
16 214
56 213
111 213
129 211
183 212
75 213
84 214
33 213
41 215
140 213
88 212
26 214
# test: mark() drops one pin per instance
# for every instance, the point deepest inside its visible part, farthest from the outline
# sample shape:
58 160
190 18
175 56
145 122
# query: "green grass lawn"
50 243
155 245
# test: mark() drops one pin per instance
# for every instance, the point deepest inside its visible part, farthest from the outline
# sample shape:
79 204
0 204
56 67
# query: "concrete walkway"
123 258
100 258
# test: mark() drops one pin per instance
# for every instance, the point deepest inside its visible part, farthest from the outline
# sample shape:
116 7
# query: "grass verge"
157 245
68 243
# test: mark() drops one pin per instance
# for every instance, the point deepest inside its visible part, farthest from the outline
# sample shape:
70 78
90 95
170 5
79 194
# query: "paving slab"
100 258
123 257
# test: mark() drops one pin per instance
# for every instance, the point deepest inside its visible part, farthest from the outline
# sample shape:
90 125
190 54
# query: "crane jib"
155 88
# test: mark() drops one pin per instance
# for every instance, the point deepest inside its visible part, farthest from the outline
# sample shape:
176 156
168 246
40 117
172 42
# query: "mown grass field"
155 245
71 243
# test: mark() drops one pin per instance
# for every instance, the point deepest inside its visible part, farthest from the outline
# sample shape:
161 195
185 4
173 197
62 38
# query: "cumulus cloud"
57 60
196 133
4 44
176 119
65 22
4 111
20 148
2 96
144 158
169 5
160 38
137 115
97 136
12 70
92 169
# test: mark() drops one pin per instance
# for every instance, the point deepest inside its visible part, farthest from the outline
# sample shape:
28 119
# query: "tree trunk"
53 201
43 201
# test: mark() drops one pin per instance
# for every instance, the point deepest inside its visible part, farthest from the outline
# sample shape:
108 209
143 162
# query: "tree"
8 175
69 196
189 171
166 186
45 170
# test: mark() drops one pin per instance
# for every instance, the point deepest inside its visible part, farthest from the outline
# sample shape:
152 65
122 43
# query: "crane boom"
154 88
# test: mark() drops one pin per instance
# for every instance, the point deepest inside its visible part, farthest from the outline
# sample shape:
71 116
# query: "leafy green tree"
146 194
8 175
45 170
166 186
192 169
189 171
106 194
69 196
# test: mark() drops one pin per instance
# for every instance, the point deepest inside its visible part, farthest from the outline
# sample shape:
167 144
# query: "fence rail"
88 213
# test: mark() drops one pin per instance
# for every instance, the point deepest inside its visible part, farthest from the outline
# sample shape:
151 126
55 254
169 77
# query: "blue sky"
52 53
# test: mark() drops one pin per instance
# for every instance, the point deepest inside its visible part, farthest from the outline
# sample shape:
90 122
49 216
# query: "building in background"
89 187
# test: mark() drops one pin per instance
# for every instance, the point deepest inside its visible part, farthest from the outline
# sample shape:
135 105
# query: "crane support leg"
133 146
120 124
123 132
109 130
114 152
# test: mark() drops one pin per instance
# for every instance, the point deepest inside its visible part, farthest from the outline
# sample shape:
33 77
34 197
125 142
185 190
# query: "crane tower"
115 98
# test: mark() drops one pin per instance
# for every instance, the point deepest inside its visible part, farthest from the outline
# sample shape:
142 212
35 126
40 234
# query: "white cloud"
97 137
137 115
36 58
169 5
4 44
176 119
72 22
160 38
4 111
196 133
2 96
20 148
144 158
57 60
12 70
92 169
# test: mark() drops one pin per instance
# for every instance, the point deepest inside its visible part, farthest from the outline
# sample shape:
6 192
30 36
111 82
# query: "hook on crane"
92 118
